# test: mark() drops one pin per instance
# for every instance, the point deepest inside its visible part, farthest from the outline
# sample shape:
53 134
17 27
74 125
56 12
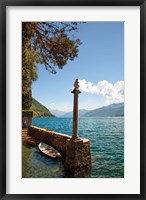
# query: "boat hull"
48 150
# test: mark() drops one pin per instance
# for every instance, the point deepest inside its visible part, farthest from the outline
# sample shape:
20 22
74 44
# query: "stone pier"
76 153
78 157
75 150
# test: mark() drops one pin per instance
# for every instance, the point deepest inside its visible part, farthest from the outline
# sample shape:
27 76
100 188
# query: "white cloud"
52 104
113 93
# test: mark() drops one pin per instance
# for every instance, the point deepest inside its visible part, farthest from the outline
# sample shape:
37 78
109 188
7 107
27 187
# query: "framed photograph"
72 99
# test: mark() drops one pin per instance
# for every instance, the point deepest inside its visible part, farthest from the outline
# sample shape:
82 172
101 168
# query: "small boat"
48 150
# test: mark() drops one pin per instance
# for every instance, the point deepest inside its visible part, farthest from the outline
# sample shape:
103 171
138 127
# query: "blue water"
107 147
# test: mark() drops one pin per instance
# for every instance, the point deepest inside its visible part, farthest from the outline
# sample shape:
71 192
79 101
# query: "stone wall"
27 118
77 157
56 140
26 122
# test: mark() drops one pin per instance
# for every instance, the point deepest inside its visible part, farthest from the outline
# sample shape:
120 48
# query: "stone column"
77 154
75 91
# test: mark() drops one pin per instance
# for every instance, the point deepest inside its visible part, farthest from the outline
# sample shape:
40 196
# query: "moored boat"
48 150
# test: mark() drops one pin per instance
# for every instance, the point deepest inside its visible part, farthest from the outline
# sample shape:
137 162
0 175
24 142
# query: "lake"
106 135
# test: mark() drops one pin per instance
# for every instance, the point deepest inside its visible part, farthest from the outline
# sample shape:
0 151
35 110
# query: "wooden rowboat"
48 150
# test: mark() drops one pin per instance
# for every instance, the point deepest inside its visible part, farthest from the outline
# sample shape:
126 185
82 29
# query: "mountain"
40 110
57 113
80 113
113 110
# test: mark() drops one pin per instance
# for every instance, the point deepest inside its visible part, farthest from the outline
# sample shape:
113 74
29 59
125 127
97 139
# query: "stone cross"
75 91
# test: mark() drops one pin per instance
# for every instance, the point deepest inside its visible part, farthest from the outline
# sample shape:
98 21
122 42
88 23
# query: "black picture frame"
3 117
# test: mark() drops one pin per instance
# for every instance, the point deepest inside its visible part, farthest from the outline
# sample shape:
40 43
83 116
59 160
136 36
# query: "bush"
27 113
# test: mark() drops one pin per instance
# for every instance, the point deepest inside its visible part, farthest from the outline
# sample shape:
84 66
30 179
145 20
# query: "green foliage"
27 113
26 99
40 109
47 43
29 74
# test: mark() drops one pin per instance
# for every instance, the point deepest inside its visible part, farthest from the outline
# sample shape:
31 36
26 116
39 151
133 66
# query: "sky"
99 68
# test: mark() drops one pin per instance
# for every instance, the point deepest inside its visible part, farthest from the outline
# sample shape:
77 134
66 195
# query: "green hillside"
40 110
113 110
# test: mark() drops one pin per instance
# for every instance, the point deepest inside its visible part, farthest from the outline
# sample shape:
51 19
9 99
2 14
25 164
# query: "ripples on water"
107 148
